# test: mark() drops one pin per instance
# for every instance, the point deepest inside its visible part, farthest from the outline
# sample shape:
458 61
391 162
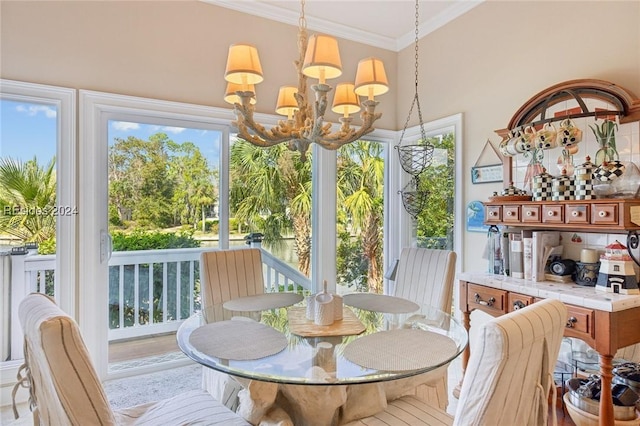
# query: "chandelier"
305 123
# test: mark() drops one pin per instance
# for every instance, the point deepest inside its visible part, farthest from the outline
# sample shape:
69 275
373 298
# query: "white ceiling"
389 24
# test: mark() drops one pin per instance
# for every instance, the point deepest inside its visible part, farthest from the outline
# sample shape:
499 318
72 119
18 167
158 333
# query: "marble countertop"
570 293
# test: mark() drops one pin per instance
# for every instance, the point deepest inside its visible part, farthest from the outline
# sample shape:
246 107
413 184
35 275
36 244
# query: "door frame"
96 109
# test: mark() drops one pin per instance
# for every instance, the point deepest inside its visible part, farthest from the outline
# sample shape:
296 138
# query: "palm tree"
360 191
28 199
270 190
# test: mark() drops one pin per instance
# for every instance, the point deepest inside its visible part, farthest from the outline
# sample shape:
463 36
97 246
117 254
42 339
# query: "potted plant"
606 137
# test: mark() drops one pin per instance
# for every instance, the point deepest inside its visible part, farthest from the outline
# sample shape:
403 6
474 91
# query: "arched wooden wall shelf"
623 103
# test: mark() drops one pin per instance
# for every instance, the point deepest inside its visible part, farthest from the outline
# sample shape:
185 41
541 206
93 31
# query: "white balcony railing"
150 291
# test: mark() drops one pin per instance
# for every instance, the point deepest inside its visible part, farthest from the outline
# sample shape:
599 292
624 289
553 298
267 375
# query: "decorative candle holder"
587 273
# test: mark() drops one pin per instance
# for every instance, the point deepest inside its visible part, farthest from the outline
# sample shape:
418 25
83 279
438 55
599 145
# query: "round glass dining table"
282 347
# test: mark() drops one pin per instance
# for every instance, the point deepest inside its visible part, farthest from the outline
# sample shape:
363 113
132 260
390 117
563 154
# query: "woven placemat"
401 350
380 303
260 302
239 340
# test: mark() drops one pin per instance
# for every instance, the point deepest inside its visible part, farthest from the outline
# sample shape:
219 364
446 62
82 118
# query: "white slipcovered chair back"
510 371
65 385
508 378
226 275
426 276
65 388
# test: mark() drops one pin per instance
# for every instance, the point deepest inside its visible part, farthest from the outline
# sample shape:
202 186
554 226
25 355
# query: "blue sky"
28 129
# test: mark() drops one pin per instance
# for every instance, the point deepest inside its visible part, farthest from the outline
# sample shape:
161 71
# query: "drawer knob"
509 213
518 304
492 213
489 302
551 213
529 213
571 322
575 213
602 213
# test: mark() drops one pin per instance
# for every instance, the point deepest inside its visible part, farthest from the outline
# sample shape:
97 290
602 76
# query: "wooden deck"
152 345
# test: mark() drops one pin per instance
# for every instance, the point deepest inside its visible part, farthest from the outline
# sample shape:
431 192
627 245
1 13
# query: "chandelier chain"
302 21
416 99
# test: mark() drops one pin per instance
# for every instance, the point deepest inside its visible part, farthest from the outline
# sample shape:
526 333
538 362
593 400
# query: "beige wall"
171 50
485 64
491 60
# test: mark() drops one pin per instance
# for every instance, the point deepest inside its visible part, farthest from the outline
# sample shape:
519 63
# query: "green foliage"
153 240
27 199
351 264
209 225
158 183
436 219
48 246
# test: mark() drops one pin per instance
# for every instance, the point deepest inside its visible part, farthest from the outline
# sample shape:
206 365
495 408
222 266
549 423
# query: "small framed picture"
486 174
475 217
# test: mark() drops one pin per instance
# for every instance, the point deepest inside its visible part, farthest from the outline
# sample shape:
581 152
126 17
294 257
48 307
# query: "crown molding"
458 8
290 17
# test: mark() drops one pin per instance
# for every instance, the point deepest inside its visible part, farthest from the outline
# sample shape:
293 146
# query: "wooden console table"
606 321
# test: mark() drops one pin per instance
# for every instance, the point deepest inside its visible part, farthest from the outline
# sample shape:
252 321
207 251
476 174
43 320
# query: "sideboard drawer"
511 214
553 213
493 214
580 323
604 214
531 214
577 213
518 301
489 300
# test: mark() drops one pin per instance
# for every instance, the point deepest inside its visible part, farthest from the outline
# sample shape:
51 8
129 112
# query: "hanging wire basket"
413 200
415 159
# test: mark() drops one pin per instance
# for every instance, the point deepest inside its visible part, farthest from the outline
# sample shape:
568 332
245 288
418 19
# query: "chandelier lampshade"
345 100
371 79
232 97
322 59
287 103
318 58
243 65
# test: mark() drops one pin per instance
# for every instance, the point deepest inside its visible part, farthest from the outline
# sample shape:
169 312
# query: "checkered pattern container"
563 188
541 186
583 179
609 171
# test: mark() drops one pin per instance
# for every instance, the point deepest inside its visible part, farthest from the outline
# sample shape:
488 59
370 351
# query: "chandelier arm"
347 134
261 137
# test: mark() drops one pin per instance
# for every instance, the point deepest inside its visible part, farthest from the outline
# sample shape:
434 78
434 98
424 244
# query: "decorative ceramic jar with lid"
541 187
511 191
583 179
562 187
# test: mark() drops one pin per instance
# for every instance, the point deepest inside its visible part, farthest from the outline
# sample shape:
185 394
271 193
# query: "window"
37 148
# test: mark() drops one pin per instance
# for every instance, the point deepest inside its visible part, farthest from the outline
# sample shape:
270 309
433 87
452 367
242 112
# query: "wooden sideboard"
606 321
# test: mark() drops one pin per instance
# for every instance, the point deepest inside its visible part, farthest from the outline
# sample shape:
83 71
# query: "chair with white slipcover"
227 275
65 388
426 276
508 379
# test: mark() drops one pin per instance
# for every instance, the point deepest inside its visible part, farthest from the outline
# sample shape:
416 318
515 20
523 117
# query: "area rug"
145 388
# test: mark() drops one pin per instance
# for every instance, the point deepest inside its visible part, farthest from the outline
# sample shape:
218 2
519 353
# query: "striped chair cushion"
189 408
69 392
508 378
426 276
66 387
407 410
